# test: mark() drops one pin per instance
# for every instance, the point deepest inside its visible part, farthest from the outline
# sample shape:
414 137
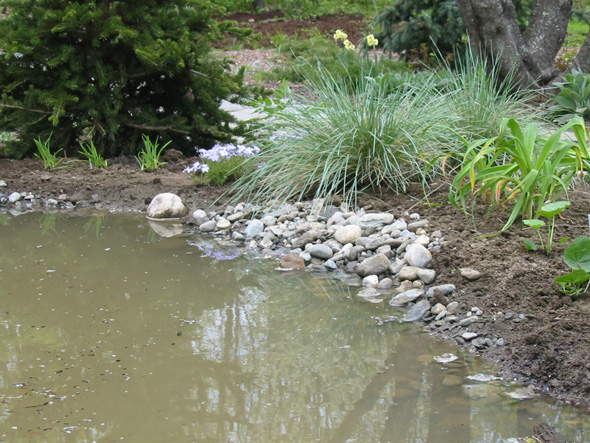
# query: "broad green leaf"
552 209
577 254
577 276
534 223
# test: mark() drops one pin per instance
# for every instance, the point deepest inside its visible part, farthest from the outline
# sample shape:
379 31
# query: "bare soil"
546 334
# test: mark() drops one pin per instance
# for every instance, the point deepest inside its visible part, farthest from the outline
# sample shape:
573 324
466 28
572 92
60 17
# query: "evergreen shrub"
109 71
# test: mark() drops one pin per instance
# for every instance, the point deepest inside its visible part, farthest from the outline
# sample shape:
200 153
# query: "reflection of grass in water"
4 219
48 223
152 236
94 224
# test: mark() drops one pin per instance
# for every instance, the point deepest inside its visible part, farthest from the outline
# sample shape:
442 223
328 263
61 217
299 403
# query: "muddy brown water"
110 332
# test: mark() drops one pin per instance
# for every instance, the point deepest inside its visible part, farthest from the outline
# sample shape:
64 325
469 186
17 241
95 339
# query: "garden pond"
111 332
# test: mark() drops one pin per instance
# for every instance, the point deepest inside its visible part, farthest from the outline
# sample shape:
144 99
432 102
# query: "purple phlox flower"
247 151
211 154
197 167
218 152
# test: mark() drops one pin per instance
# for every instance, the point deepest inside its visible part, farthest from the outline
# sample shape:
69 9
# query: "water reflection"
106 326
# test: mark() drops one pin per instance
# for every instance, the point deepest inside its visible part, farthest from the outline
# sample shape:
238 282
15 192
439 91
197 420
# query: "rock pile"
388 258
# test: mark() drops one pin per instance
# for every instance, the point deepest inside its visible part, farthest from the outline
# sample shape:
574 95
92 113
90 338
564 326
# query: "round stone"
417 255
348 234
166 205
292 261
321 251
254 228
377 264
222 224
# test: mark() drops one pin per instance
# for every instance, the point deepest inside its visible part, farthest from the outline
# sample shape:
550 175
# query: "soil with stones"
546 334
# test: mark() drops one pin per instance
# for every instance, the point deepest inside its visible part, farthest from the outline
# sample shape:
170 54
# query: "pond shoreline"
545 334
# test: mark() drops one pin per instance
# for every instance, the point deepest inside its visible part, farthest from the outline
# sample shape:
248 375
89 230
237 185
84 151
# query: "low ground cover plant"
548 211
573 98
221 163
577 257
520 170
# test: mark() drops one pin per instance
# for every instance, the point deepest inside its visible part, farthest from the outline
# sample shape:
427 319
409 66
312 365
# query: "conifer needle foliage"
108 71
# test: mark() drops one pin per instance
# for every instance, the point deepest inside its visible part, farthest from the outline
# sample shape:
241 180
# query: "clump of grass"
480 97
95 159
346 141
149 156
49 159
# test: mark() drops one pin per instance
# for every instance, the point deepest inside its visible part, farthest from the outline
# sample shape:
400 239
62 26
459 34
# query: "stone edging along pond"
387 258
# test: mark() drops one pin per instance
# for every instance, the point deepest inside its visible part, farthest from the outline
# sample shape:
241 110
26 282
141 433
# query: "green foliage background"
108 71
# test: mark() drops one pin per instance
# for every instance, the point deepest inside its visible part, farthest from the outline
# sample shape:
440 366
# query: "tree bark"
547 29
492 26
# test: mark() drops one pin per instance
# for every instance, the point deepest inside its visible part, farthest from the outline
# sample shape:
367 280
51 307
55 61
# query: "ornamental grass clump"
481 97
345 142
221 163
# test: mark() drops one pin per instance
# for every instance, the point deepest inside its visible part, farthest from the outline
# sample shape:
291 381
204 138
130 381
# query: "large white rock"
417 255
166 205
348 234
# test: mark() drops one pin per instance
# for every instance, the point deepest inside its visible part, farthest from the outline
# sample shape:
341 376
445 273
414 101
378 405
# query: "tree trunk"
493 26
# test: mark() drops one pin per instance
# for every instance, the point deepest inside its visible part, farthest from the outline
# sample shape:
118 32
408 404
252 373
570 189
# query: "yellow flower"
371 40
348 45
340 35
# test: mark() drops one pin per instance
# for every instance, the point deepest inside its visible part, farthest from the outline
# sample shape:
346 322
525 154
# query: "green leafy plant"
345 141
519 168
573 98
577 257
49 159
95 159
549 211
149 156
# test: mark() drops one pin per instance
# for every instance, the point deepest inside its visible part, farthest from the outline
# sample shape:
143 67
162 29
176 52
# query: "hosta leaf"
577 276
534 223
577 254
552 209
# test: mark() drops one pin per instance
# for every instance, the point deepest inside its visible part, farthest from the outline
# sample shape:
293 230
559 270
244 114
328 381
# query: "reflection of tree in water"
311 355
